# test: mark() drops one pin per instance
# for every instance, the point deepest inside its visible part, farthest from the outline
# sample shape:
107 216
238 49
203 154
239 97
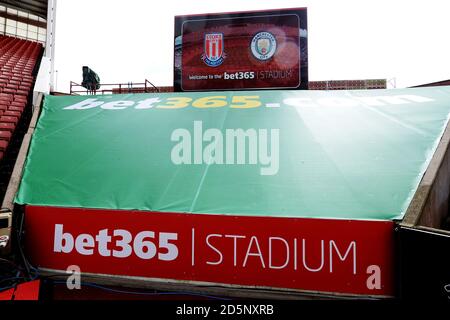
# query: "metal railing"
115 88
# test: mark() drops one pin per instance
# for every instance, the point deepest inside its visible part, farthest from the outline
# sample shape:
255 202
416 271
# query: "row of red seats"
15 45
18 59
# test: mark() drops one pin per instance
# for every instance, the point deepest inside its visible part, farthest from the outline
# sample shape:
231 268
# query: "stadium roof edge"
36 7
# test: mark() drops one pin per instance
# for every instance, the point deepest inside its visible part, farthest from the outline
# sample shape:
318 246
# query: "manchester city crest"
263 45
213 53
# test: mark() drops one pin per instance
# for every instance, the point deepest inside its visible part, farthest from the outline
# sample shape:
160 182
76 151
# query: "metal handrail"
115 88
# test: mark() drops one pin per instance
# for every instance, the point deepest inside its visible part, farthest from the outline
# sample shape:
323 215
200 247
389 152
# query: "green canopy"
315 154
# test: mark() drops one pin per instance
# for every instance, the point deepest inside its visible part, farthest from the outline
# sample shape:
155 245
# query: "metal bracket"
5 232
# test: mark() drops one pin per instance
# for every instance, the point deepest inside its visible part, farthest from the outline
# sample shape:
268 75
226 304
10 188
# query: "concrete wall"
430 204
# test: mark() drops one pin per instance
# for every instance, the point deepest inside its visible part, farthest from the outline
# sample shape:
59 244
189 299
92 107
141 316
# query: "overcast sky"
132 40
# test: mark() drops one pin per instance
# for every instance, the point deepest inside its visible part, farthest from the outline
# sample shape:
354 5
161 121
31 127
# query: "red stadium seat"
9 119
3 145
14 108
19 104
18 97
8 90
12 86
5 135
7 126
6 95
11 113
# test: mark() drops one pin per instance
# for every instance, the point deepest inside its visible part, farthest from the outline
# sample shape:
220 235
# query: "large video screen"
241 51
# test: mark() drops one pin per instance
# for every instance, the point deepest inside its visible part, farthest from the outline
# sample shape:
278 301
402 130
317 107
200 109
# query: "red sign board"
329 256
241 50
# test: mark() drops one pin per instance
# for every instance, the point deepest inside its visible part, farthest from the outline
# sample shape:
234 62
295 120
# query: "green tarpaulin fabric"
316 154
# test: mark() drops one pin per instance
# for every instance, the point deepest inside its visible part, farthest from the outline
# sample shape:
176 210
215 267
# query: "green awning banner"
313 154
